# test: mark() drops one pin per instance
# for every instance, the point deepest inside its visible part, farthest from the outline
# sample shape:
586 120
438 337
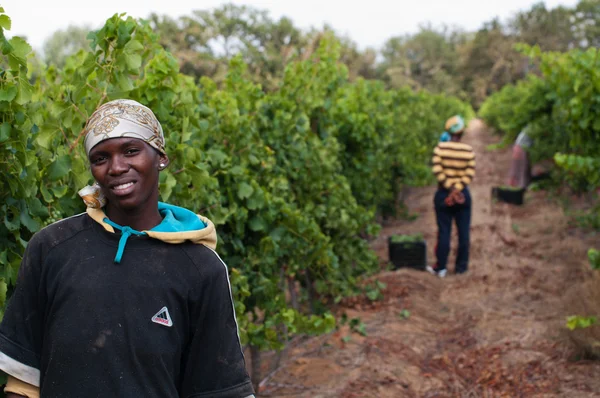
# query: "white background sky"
369 23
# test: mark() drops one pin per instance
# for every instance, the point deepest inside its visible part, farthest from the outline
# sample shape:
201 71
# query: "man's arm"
214 360
438 169
16 388
469 172
22 326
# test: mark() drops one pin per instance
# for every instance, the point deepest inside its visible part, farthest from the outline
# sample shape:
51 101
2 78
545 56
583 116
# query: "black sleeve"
22 326
214 364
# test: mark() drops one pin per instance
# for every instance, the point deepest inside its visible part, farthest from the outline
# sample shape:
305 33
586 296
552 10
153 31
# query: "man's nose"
118 165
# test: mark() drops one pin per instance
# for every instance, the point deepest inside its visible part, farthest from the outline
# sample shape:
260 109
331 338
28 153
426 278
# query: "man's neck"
140 220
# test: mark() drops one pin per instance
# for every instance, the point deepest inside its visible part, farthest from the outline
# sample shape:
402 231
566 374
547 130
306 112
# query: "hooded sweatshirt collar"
178 225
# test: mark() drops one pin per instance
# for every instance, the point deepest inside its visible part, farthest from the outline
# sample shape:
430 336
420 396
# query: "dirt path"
494 332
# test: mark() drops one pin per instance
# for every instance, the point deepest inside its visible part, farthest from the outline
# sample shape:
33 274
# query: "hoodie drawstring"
126 232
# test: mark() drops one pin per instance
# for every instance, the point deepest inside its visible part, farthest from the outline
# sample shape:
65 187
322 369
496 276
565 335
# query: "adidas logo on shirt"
162 317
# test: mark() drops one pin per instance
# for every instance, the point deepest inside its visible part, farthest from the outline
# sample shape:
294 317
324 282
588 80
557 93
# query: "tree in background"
490 62
427 60
206 41
470 65
63 43
586 23
551 29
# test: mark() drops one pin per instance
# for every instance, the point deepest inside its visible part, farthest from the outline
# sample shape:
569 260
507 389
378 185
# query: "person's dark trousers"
445 215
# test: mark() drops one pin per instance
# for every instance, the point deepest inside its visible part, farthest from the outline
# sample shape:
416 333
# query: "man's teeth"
123 186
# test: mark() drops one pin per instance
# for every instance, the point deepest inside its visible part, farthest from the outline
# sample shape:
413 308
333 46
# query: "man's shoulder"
54 234
206 260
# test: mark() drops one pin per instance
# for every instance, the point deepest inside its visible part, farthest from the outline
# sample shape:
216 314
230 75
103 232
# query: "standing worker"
128 299
454 168
520 169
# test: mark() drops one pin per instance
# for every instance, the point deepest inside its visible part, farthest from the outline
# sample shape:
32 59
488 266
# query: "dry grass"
584 300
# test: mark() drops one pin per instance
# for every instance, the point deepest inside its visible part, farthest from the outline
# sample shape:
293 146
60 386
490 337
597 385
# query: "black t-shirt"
159 324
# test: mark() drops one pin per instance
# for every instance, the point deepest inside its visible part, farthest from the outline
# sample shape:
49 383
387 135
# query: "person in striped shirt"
454 167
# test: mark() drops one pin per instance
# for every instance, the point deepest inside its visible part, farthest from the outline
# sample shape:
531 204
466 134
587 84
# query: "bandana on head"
117 119
123 118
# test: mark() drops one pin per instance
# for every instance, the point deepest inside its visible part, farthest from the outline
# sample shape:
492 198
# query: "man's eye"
98 160
131 151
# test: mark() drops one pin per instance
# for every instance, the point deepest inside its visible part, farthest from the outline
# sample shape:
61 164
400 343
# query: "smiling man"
128 299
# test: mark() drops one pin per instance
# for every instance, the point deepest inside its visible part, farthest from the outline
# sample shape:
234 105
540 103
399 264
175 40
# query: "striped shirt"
454 164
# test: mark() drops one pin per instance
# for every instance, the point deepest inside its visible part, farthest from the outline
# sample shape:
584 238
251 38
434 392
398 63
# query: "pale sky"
369 23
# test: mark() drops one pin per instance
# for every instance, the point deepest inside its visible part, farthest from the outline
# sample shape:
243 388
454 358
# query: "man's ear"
163 162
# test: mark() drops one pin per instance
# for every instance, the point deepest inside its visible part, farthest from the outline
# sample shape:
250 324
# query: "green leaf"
125 83
3 290
580 322
236 171
133 46
257 224
44 138
5 22
48 197
12 225
5 129
30 223
36 208
60 191
134 61
594 257
8 92
59 168
6 47
25 91
18 57
166 188
245 190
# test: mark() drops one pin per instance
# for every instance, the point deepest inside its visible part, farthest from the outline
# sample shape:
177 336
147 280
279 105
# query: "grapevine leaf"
44 138
8 93
133 46
5 44
125 83
20 50
5 22
3 290
29 222
167 186
12 225
257 224
245 190
37 209
134 61
48 197
5 129
594 257
60 191
25 91
59 168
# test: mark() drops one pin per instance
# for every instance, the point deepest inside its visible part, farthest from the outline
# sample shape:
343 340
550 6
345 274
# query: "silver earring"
162 165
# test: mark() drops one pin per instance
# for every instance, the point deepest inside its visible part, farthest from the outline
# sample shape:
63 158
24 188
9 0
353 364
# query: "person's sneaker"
441 273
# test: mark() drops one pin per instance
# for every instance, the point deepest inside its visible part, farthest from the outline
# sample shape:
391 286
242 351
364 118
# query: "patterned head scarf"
123 118
117 119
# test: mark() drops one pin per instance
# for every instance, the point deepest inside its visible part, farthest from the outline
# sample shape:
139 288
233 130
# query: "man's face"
127 171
